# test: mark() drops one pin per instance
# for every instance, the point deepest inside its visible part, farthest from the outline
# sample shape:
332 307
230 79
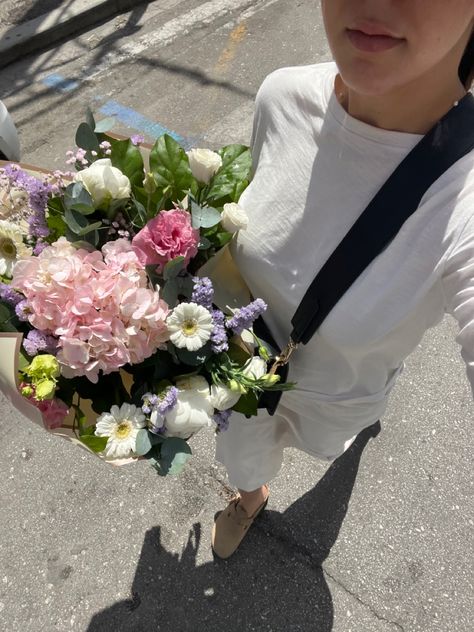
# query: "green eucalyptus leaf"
185 285
170 292
204 217
90 118
143 444
173 268
104 125
174 453
204 243
90 228
78 198
86 139
91 239
75 221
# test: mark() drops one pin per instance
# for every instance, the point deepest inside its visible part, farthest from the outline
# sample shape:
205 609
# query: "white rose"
104 182
234 218
255 368
193 382
193 410
222 397
204 163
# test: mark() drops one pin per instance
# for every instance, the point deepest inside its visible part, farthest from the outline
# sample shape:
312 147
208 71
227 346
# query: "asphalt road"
87 547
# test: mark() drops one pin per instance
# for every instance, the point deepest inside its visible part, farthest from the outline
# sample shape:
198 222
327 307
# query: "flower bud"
236 387
27 391
43 367
45 389
270 380
149 183
263 353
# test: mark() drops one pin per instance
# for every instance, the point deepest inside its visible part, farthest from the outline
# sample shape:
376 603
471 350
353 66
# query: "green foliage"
247 404
90 118
7 318
227 184
77 198
127 157
172 456
104 125
96 444
204 217
146 440
55 219
86 138
170 167
194 358
173 268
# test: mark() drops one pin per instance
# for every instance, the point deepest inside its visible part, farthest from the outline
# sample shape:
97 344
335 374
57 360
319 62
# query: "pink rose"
54 412
168 235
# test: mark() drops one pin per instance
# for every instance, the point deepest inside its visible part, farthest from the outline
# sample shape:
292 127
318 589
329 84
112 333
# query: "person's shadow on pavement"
274 583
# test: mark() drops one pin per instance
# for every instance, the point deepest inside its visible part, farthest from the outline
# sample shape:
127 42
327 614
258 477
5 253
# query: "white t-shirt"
316 168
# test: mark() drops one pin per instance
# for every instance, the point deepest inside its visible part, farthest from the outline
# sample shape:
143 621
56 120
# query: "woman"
325 138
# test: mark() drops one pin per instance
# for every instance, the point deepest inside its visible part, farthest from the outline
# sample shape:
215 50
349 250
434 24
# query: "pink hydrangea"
168 235
98 304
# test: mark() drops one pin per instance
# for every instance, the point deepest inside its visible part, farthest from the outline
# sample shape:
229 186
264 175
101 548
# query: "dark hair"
466 67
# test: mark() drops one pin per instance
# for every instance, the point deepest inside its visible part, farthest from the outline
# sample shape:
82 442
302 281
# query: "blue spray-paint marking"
60 83
125 115
137 121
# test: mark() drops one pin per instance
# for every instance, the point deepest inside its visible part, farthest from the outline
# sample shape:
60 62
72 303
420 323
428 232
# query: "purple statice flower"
37 341
149 402
244 317
9 295
167 400
203 292
23 310
219 341
39 247
38 192
221 419
137 139
157 406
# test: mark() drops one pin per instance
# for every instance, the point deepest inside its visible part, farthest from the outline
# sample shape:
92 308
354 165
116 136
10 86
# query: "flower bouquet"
112 336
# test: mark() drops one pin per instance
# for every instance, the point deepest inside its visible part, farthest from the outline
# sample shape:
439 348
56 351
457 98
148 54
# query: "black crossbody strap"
448 141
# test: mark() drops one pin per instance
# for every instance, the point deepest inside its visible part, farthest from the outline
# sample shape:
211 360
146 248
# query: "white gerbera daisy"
11 247
121 425
190 326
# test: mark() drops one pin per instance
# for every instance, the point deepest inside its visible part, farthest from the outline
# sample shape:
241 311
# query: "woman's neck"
413 108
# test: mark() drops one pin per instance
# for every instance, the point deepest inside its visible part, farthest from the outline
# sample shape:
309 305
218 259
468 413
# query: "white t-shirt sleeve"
458 281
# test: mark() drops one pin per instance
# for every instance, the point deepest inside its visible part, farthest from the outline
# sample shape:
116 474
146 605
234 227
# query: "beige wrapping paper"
230 290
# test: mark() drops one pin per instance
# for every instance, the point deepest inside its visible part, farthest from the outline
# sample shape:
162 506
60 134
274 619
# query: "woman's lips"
372 43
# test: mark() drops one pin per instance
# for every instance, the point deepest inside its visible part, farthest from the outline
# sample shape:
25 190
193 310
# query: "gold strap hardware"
284 356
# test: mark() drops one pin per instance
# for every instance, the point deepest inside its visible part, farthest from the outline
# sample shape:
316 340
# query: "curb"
45 30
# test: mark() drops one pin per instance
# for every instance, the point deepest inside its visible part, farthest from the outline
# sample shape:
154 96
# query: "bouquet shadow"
276 581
